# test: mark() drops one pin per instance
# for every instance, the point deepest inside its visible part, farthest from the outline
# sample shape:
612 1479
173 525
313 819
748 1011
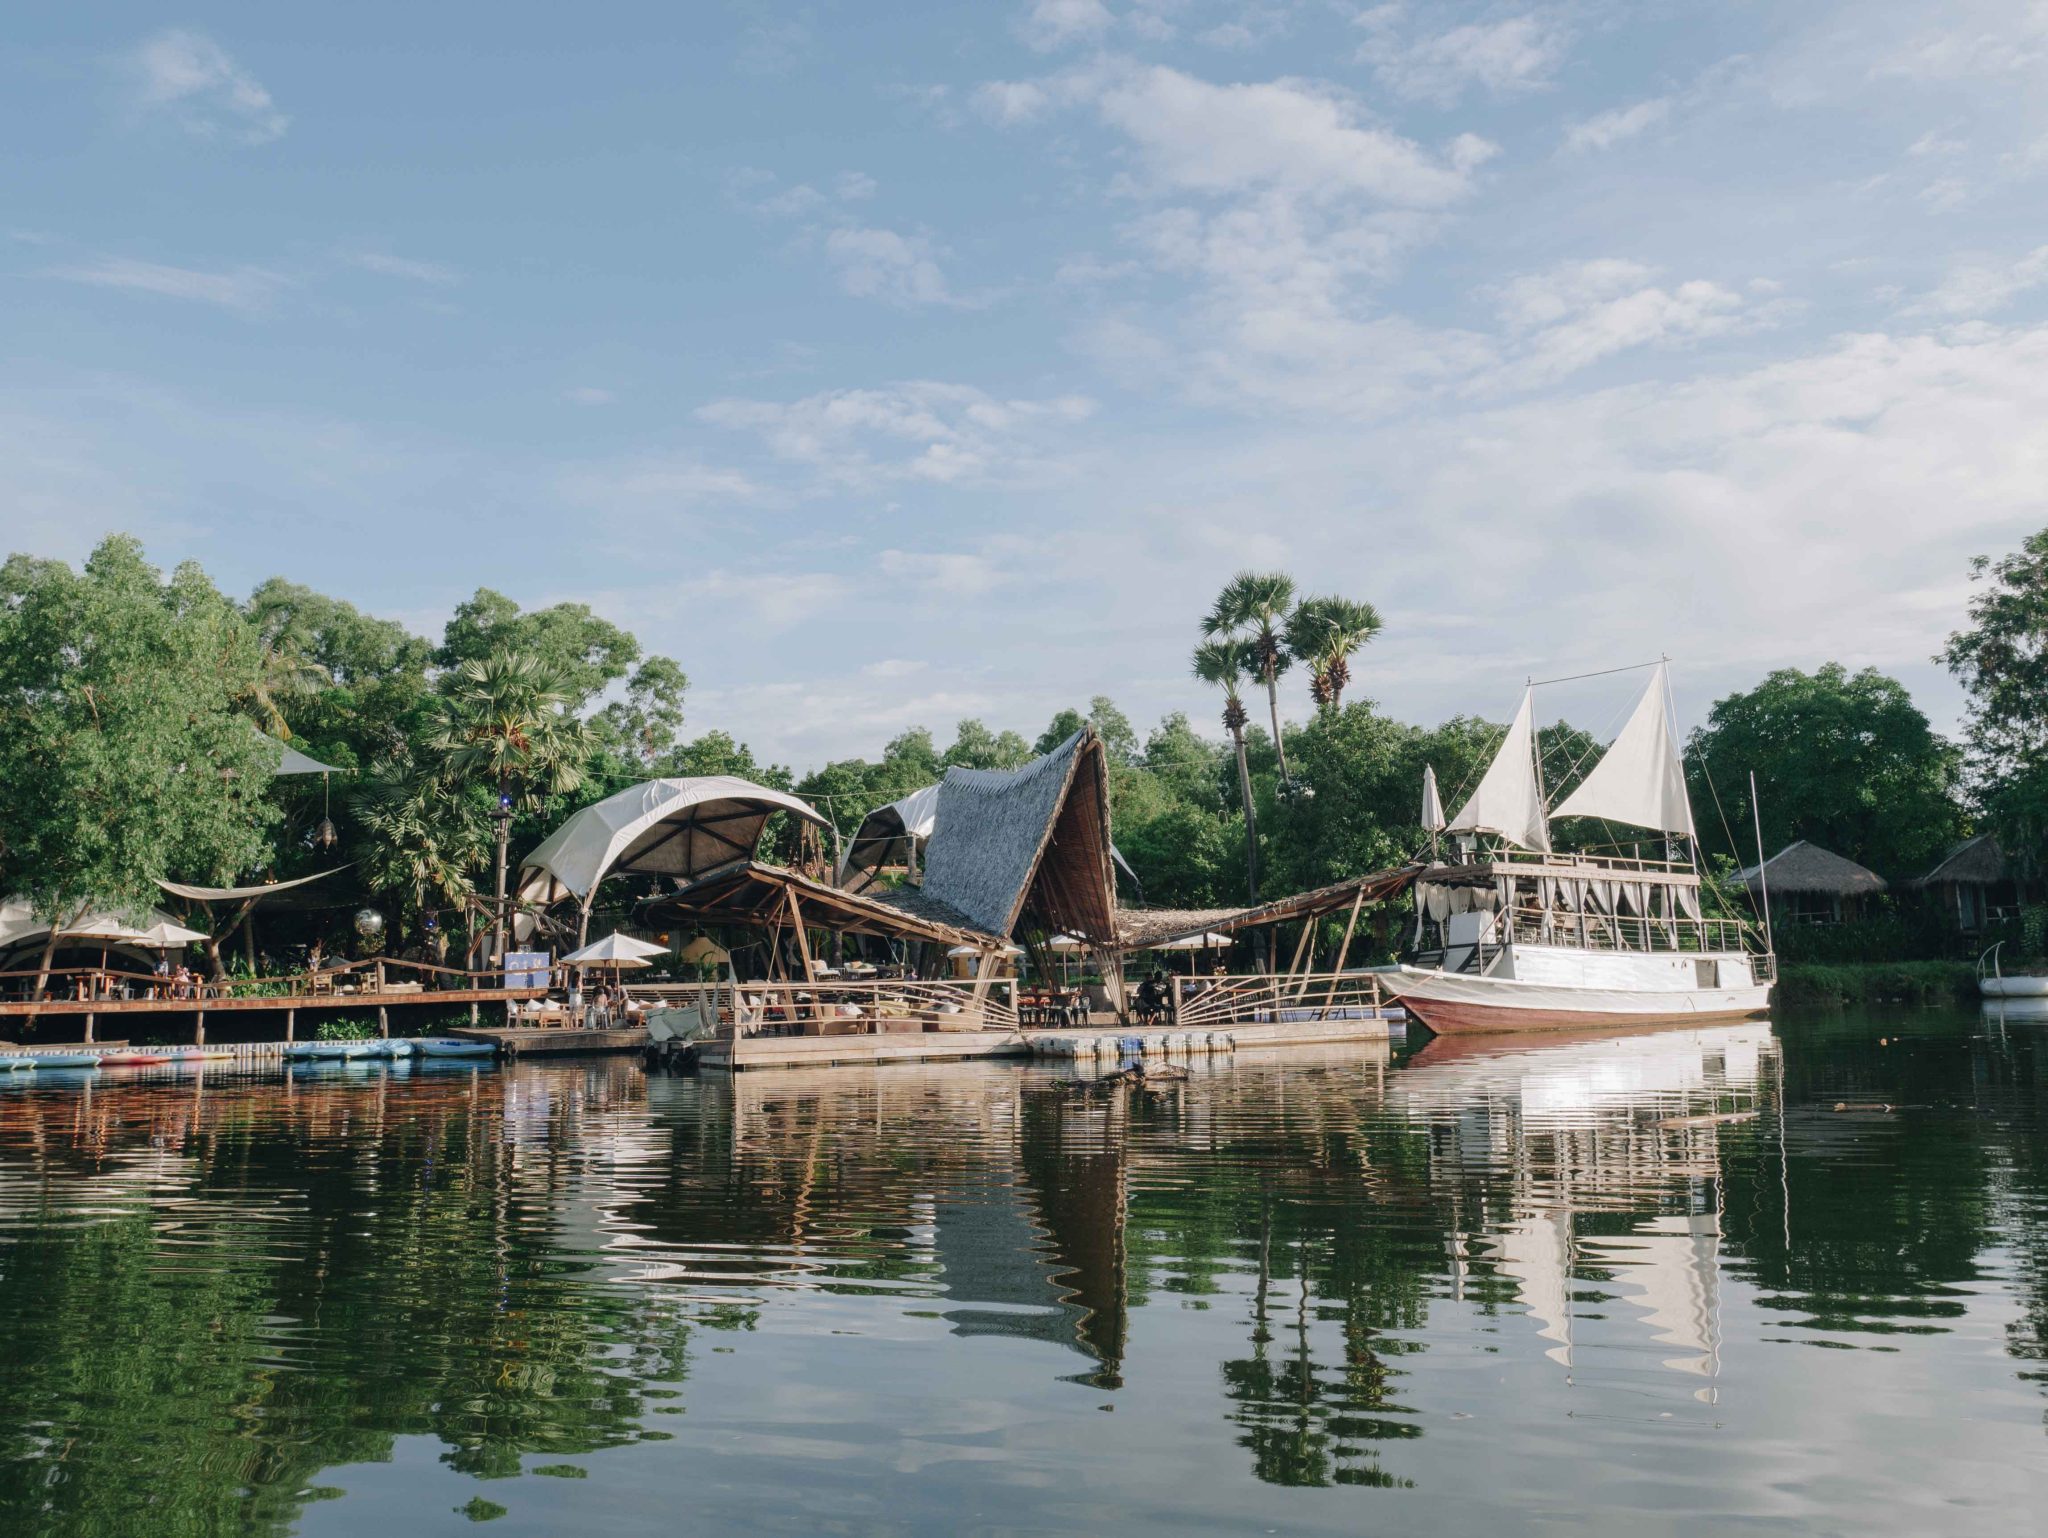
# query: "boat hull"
1450 1004
2013 986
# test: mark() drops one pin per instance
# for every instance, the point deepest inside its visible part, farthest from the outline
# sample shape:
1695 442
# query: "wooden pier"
553 1041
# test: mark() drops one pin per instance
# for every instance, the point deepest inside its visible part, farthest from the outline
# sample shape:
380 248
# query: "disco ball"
369 923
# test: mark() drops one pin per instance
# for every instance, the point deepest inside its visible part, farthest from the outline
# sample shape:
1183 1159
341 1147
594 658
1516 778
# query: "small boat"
66 1059
454 1046
340 1051
394 1047
16 1064
135 1059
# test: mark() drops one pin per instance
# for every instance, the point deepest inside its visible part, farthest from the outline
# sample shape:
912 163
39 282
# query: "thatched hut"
1812 885
1973 885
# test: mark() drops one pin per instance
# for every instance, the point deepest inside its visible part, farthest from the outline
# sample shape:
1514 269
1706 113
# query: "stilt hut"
1973 885
1811 885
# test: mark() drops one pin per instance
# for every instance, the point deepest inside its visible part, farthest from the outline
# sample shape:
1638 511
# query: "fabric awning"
221 894
292 761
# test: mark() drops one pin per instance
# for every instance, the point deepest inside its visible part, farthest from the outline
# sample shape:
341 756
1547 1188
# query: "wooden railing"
840 1008
1219 1003
374 975
1612 932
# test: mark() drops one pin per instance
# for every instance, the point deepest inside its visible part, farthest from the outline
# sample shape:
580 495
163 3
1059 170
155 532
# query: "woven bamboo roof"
1028 846
1805 869
1974 862
1143 927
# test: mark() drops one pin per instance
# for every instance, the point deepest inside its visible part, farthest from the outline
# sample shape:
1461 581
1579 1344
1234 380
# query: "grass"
1834 985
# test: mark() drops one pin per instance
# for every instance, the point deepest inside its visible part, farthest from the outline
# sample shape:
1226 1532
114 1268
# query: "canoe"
395 1047
329 1051
135 1059
67 1059
199 1055
11 1064
449 1046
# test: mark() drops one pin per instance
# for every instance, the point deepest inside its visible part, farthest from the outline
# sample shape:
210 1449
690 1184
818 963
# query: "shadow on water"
231 1294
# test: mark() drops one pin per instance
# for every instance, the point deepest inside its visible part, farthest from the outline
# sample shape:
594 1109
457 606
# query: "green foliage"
977 747
1813 985
122 752
2001 660
344 1030
1845 760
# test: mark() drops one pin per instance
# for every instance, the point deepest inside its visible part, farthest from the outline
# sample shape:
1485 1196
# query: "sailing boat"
1528 938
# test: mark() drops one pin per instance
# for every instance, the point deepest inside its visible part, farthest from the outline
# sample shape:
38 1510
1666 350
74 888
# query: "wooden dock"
553 1041
89 1012
752 1052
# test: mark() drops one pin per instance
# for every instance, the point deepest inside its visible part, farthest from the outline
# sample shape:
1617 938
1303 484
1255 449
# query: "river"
1776 1279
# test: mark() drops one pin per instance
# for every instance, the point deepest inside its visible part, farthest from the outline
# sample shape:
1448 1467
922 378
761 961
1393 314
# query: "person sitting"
1152 1006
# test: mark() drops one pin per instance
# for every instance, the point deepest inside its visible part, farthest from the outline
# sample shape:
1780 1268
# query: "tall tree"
975 746
1253 606
122 753
1843 759
2001 660
1324 634
507 721
1225 664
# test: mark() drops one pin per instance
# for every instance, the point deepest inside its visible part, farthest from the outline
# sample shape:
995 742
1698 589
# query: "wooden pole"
88 1025
199 1029
383 1021
1343 950
291 1026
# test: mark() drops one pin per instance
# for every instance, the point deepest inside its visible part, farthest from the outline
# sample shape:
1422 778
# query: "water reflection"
1330 1264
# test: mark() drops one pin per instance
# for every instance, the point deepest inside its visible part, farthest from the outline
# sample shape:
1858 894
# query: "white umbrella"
976 950
164 935
615 950
1066 943
1208 942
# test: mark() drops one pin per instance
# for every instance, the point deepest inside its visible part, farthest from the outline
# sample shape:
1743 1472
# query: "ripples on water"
1654 1282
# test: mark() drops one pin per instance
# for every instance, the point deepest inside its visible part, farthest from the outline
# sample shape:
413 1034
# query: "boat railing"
1590 930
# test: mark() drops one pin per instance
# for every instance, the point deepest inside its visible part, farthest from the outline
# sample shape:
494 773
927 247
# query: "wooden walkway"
549 1041
291 1005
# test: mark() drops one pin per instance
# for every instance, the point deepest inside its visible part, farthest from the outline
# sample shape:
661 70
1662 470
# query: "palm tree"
508 719
1323 634
1225 664
1254 605
422 839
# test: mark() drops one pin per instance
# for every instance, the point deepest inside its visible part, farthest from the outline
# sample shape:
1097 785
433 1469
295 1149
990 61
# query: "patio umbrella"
1211 941
616 951
165 935
976 950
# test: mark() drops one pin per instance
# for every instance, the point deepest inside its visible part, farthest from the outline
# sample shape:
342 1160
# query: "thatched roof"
1029 844
1804 869
1974 862
1143 927
766 896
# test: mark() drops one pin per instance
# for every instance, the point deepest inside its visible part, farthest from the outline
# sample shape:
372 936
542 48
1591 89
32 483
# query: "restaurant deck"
133 1012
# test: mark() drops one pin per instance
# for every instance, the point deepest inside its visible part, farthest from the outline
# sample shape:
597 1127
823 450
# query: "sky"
887 365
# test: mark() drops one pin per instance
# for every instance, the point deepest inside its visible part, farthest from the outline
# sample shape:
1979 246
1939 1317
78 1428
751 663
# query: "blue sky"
887 365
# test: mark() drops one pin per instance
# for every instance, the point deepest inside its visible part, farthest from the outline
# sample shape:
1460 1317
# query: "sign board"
526 969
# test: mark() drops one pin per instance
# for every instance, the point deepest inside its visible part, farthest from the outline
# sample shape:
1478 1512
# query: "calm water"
1463 1292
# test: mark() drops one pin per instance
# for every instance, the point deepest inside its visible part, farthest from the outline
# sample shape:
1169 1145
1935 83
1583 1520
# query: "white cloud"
190 77
1604 130
957 574
1011 101
854 186
386 265
1051 24
1515 53
883 264
1573 316
590 395
1978 289
249 290
651 485
921 430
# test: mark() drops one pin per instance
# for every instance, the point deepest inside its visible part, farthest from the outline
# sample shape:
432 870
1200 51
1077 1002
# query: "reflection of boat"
1533 939
2021 1010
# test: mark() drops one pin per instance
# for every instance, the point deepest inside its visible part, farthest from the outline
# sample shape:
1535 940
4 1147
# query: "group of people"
174 982
601 1007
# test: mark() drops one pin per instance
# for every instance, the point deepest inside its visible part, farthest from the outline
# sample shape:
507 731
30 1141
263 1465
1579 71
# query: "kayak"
10 1064
136 1059
395 1047
450 1046
329 1051
66 1059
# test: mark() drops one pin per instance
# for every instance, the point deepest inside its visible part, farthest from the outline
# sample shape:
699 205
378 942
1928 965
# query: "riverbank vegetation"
130 705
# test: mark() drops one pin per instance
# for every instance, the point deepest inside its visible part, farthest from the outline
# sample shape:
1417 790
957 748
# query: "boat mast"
1763 875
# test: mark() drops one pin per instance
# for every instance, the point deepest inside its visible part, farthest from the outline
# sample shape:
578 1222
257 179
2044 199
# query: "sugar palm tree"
1253 606
1323 634
507 719
1225 663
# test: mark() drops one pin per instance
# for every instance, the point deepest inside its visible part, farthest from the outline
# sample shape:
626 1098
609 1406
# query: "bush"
1914 934
1894 982
344 1030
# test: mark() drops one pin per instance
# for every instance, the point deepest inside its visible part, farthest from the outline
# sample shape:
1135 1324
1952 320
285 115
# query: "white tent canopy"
1639 779
1208 942
678 827
615 950
165 935
292 761
1507 801
979 950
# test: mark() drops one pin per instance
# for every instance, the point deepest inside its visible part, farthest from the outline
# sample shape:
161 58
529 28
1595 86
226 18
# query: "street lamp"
502 816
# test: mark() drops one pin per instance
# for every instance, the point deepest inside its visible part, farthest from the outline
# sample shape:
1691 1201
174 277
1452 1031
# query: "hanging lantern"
369 924
324 835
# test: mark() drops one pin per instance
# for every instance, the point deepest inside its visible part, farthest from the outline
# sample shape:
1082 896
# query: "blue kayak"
10 1064
395 1047
333 1051
450 1046
65 1059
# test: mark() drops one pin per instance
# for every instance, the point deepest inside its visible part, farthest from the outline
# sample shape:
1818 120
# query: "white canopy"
680 827
292 761
615 950
977 950
1507 801
1066 943
164 935
1639 780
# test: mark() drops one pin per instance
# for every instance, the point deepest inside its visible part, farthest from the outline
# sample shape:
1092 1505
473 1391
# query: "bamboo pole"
1343 951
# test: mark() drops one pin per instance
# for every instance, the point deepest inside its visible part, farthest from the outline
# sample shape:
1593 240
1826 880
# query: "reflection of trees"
288 1301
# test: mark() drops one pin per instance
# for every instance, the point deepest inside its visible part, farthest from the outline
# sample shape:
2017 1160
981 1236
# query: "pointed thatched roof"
1807 869
1974 862
1028 845
767 896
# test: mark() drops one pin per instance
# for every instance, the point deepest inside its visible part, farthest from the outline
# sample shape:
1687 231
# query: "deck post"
472 1012
291 1025
199 1028
88 1025
383 1021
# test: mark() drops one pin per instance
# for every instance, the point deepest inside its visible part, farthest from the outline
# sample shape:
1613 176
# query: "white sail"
1639 780
1507 801
1432 803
